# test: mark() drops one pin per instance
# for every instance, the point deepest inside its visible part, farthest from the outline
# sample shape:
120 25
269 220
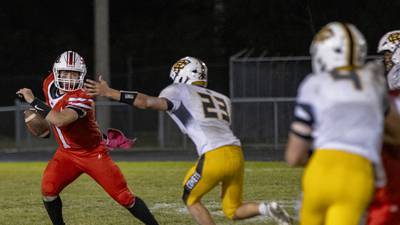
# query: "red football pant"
67 165
383 212
385 207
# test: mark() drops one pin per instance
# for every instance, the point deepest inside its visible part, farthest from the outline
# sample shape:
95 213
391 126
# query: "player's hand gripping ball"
38 126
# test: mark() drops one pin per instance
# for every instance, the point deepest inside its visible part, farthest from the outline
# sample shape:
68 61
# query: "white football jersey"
204 115
345 110
393 77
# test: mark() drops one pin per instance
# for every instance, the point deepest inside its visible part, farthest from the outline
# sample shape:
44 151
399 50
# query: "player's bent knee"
189 201
48 189
125 198
229 213
48 198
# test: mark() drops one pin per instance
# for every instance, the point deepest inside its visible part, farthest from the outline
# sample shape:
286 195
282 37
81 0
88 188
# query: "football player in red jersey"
81 149
385 207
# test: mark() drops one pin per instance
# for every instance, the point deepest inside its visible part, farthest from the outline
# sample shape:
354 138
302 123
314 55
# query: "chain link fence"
262 90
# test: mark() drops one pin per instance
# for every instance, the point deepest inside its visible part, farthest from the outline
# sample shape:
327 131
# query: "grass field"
158 183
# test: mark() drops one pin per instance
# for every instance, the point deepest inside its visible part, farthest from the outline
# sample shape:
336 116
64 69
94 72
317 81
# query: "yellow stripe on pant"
337 188
224 164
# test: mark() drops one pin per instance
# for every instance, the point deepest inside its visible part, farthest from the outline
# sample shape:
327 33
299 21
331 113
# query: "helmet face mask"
69 61
189 70
387 60
70 80
338 45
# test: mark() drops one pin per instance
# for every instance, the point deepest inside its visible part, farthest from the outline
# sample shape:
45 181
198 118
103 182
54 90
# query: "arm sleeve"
303 110
304 115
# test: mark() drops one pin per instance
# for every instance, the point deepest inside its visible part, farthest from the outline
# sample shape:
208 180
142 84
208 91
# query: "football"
37 126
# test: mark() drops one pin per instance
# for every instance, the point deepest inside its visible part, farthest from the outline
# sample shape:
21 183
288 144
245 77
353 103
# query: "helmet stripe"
71 58
351 46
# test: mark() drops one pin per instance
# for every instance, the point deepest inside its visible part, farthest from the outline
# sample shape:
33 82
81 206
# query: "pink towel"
117 139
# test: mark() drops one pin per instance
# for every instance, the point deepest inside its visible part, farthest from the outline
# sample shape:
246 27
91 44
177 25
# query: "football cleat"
279 214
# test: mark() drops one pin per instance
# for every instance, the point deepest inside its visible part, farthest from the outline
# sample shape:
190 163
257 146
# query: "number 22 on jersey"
214 107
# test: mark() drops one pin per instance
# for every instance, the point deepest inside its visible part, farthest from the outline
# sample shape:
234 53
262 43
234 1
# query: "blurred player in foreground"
71 112
204 115
339 113
385 207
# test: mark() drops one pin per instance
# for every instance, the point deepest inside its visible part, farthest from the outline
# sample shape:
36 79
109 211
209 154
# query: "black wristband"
40 107
128 97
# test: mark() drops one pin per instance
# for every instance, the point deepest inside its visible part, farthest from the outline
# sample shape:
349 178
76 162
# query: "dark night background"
151 35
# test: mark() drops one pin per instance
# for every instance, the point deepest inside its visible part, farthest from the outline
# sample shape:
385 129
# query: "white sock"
262 208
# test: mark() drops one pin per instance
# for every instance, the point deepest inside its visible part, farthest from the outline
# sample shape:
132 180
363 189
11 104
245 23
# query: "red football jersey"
385 206
84 133
391 158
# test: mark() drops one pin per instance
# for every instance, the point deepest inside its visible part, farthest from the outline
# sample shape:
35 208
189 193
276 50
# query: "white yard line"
213 206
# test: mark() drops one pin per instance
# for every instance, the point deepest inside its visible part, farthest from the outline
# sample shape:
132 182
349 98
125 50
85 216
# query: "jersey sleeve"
80 104
173 94
376 70
304 115
303 110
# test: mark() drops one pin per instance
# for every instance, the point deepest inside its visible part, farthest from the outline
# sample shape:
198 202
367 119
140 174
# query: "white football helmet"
69 61
189 70
389 45
338 45
391 42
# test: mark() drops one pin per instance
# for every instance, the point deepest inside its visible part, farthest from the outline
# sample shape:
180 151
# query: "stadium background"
256 52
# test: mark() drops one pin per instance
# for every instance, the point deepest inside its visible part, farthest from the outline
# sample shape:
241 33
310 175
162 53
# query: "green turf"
158 183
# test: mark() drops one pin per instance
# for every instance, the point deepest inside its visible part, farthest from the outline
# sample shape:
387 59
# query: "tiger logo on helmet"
389 42
69 61
189 70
